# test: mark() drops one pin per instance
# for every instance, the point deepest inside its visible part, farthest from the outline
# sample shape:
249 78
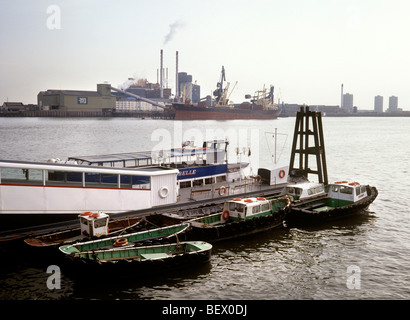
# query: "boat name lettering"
187 172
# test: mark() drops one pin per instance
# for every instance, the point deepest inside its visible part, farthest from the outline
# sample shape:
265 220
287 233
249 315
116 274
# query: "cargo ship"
261 106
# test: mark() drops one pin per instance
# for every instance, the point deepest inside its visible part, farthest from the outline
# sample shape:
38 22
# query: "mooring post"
304 131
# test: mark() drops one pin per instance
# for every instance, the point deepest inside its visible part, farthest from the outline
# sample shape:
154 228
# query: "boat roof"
247 201
346 183
114 157
142 171
305 185
144 155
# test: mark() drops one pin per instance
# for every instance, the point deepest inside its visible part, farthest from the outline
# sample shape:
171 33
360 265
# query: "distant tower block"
308 141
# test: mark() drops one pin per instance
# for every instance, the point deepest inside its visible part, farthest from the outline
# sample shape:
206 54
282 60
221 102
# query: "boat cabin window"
292 190
236 206
255 209
185 184
100 223
346 189
315 190
22 176
265 207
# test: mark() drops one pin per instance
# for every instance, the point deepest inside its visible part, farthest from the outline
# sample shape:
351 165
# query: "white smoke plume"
173 27
139 82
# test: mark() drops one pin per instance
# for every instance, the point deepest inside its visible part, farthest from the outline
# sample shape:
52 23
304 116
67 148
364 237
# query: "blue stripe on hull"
200 172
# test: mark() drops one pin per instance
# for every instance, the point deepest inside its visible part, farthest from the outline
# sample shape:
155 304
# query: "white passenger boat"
47 192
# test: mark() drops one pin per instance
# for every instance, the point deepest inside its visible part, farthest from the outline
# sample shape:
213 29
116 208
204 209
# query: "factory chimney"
341 102
176 80
160 77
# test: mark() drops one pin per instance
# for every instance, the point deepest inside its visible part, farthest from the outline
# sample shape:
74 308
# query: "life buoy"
339 182
94 215
120 242
163 192
222 190
282 174
225 215
86 213
354 184
261 198
248 200
237 199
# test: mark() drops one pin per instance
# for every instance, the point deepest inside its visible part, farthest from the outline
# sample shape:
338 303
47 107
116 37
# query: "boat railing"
226 189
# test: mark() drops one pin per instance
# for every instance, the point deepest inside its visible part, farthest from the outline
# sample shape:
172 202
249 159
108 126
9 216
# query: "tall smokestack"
341 101
176 79
161 92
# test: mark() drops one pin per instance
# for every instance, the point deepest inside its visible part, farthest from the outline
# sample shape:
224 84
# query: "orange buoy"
120 242
222 191
282 174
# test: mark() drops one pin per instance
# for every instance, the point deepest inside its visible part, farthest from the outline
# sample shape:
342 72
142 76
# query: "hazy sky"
305 48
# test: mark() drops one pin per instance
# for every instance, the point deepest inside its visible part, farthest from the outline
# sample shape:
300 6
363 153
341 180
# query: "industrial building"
77 101
144 89
191 91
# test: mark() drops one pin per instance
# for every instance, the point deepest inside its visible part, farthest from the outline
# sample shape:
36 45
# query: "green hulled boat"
343 199
127 239
136 259
241 217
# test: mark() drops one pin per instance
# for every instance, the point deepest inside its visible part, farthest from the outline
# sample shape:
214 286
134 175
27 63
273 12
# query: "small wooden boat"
157 258
128 240
241 217
92 225
343 199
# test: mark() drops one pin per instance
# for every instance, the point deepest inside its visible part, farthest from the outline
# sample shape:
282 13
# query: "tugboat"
241 217
343 199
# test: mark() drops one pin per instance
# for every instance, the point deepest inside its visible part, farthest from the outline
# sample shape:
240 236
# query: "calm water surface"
293 263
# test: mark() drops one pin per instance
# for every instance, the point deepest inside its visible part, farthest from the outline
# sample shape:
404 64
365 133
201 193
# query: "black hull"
237 229
77 267
297 216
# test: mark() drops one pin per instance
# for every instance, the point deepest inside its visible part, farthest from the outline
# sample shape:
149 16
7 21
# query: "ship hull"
183 112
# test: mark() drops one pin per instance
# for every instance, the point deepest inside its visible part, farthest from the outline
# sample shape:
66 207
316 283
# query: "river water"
364 257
